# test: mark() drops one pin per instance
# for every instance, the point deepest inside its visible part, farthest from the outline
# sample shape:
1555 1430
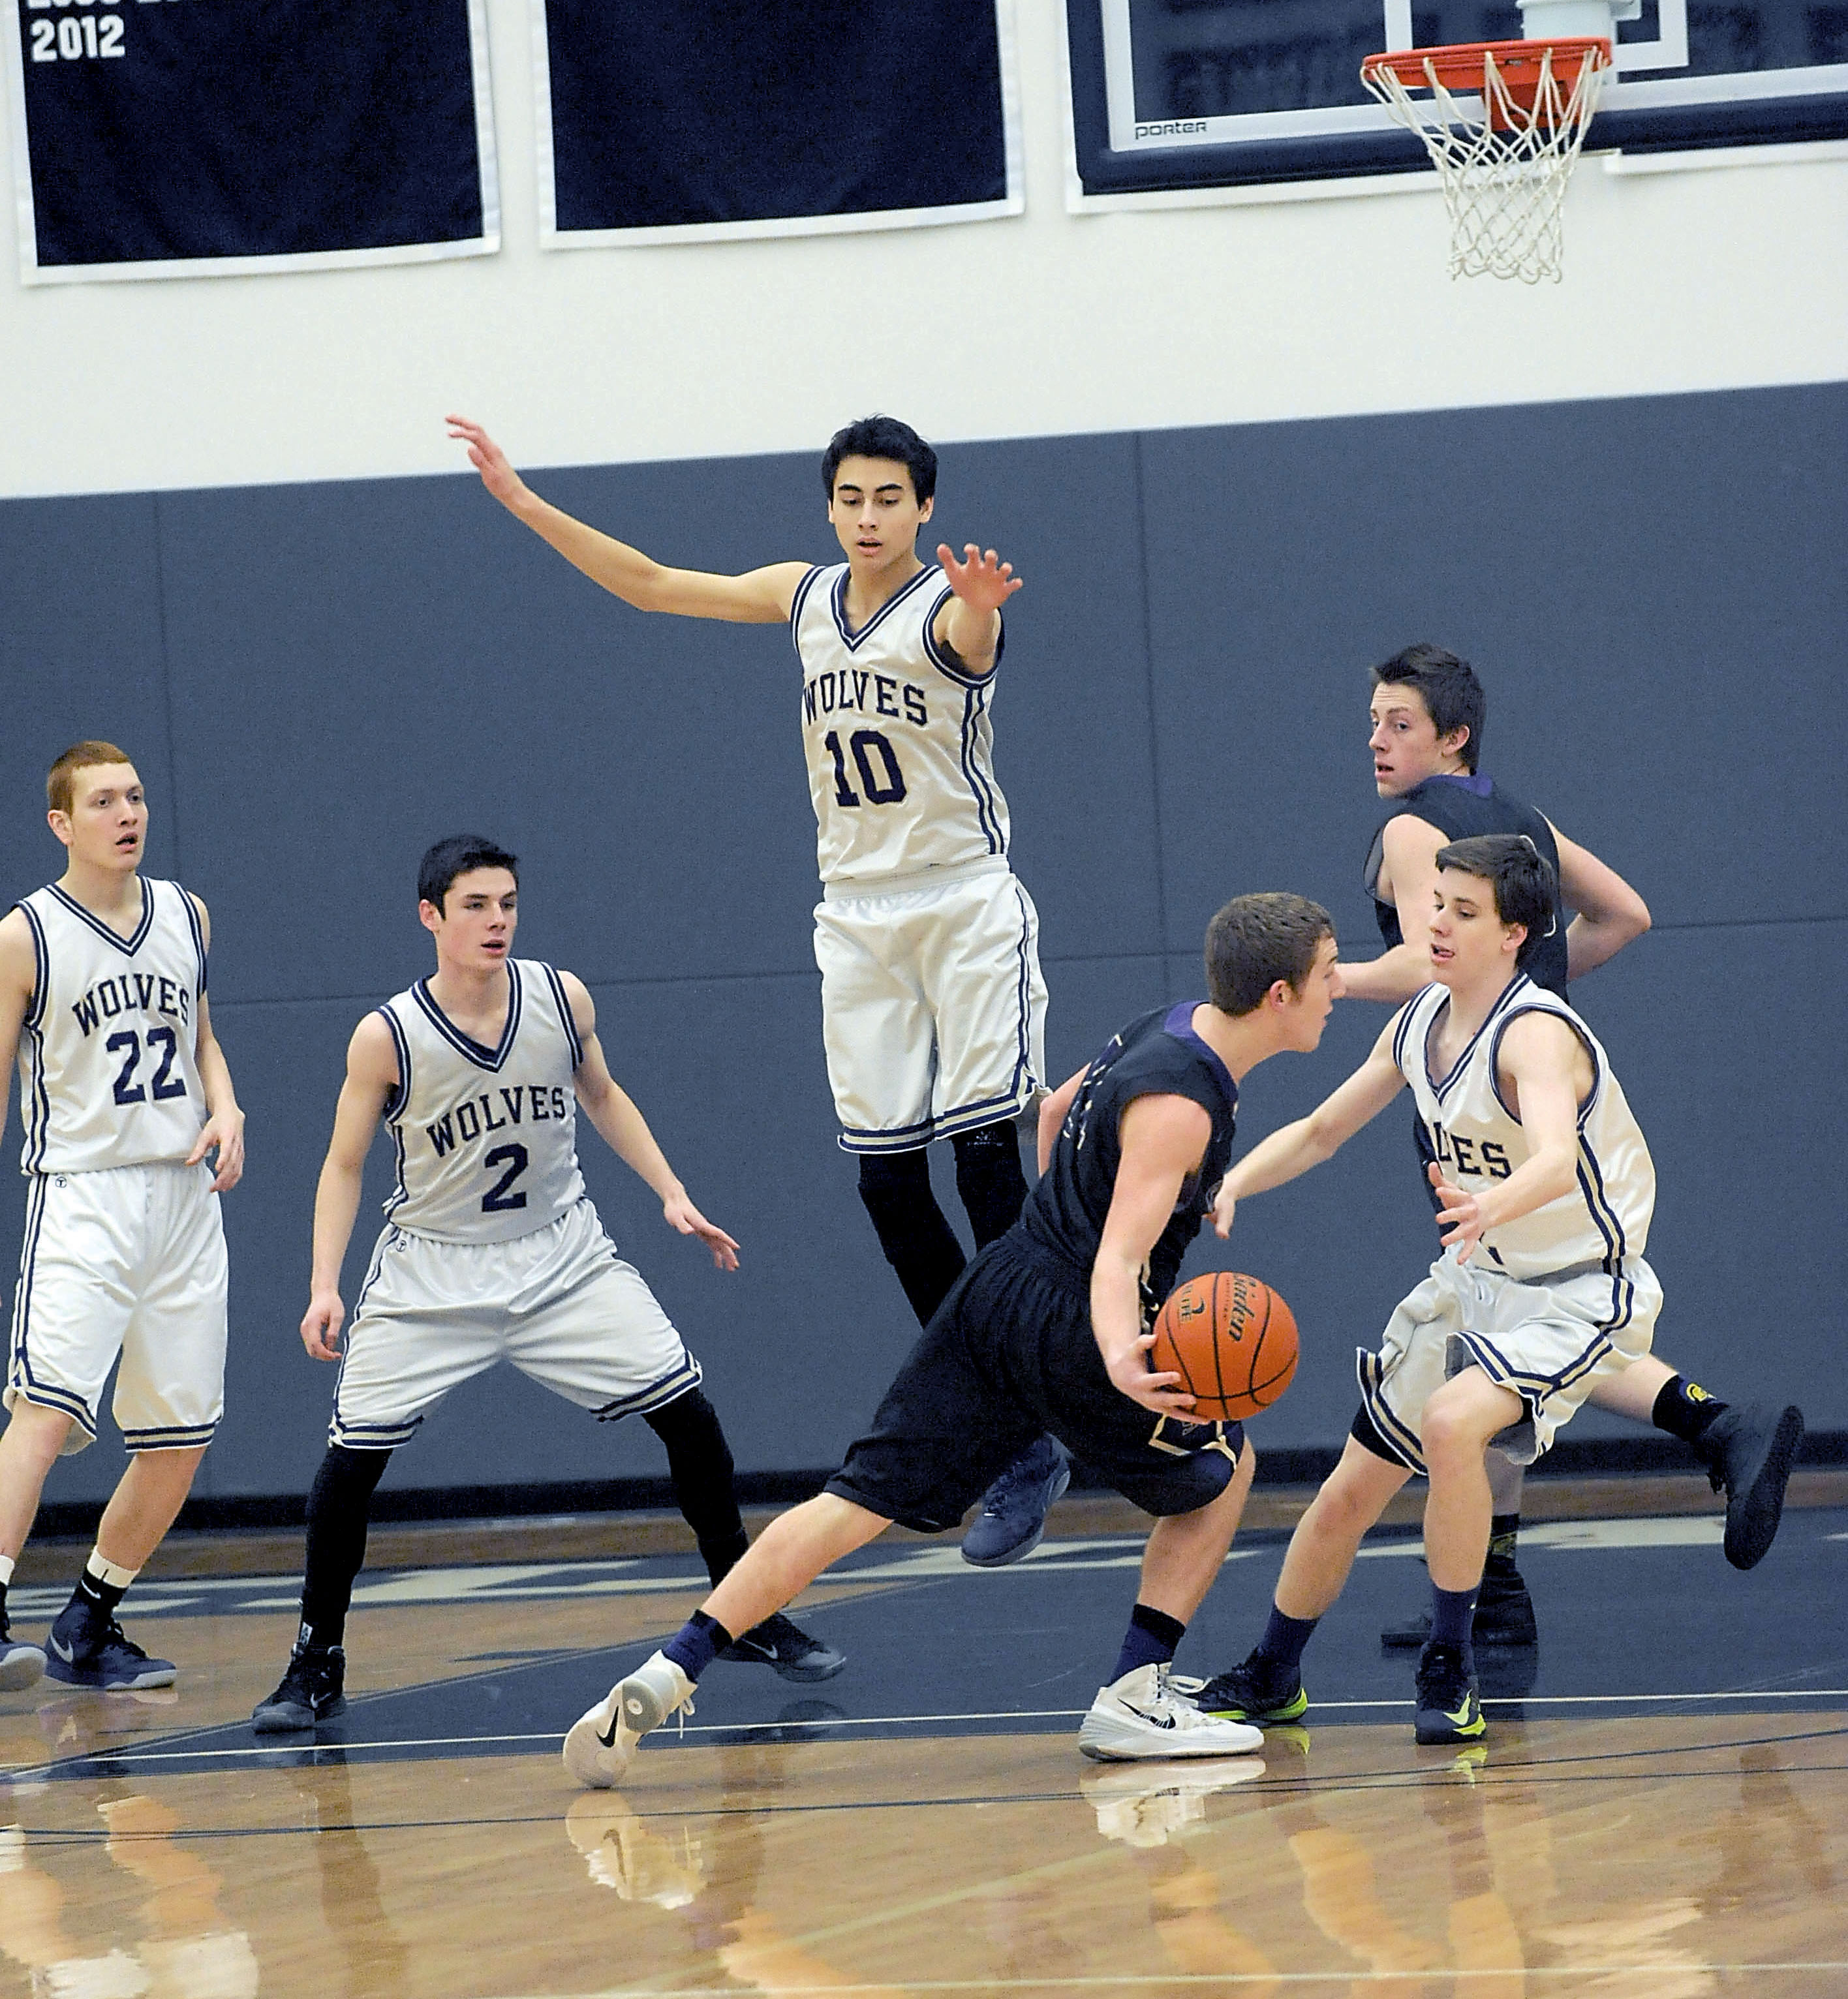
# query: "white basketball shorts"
560 1303
127 1261
1548 1339
933 1008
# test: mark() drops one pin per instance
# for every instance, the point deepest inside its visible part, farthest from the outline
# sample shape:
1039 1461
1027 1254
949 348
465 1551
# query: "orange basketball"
1231 1340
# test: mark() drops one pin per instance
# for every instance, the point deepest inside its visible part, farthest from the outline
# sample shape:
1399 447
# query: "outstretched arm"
372 1074
224 1122
610 1108
1161 1140
1294 1148
970 623
759 596
1610 914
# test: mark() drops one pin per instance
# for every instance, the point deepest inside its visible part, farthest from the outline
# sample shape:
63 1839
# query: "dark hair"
882 437
1257 940
459 854
1526 891
1452 695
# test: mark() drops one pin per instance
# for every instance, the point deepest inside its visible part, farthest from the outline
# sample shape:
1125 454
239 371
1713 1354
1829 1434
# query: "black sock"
699 1462
989 1180
1685 1410
697 1642
1282 1645
1503 1529
1150 1641
337 1502
94 1593
918 1241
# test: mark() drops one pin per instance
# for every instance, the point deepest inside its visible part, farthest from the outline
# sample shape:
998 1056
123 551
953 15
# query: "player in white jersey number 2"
933 1006
124 1096
492 1251
1542 1291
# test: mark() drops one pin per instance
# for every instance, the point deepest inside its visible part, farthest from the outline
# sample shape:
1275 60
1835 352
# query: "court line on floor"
178 1752
1126 1982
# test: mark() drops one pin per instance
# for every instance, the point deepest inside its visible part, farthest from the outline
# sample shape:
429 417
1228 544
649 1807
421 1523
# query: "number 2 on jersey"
498 1200
885 788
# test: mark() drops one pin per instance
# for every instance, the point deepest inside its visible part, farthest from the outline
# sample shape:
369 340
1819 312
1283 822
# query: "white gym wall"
1712 278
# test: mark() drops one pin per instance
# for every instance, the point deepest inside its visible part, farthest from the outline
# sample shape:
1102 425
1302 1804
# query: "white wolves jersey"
108 1071
486 1138
1606 1217
900 748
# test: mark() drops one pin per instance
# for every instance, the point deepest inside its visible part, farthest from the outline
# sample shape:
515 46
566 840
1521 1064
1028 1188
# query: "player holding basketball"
1044 1330
124 1094
933 1006
1427 712
1546 1189
492 1251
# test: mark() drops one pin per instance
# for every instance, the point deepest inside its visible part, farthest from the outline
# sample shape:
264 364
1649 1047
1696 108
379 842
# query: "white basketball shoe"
1143 1716
601 1743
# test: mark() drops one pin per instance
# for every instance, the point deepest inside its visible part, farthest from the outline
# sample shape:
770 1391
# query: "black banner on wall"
187 138
672 120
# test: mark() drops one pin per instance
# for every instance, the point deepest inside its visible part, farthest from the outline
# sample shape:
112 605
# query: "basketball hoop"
1504 125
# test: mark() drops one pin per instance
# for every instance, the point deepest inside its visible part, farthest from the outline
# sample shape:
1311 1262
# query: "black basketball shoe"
313 1689
1256 1690
1749 1452
1449 1708
786 1649
86 1647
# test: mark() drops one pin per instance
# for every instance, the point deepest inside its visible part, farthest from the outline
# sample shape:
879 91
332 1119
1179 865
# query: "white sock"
99 1569
6 1570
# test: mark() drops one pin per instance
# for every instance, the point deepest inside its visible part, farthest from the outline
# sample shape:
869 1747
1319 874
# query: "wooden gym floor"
1660 1810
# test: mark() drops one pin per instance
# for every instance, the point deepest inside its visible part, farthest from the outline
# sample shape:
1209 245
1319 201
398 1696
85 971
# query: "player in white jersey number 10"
125 1098
933 1006
492 1251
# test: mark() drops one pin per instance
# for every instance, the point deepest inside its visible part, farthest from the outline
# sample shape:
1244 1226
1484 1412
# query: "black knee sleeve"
919 1243
699 1462
338 1502
989 1178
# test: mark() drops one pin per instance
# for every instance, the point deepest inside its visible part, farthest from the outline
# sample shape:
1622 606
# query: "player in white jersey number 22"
124 1096
492 1251
933 1006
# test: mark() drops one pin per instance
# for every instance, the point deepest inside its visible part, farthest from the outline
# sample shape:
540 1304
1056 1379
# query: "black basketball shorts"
1009 1355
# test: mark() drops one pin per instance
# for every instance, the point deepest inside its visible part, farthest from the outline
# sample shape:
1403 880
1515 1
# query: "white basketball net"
1504 165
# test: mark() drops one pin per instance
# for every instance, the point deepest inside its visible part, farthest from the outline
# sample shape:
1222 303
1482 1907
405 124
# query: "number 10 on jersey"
875 761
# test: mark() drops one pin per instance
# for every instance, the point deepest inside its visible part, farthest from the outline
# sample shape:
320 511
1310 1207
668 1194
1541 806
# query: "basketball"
1231 1339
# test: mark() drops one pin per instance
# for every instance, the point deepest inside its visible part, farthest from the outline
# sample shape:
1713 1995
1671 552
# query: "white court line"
182 1753
1347 1977
1684 1969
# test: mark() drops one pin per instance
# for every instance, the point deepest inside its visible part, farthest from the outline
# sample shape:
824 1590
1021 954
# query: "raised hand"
983 581
682 1214
1462 1213
497 474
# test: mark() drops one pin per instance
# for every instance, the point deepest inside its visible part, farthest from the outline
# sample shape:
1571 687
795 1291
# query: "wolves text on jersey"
474 1117
864 693
146 992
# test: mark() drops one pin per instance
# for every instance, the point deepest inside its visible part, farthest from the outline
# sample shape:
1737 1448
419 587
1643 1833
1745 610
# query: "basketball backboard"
1201 93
